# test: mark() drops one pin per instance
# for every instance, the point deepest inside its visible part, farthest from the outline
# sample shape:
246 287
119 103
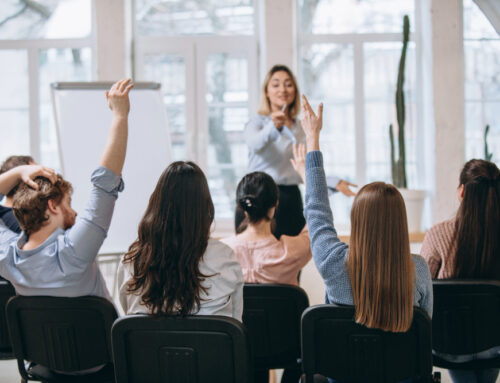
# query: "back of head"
30 205
477 227
380 267
172 238
13 162
255 195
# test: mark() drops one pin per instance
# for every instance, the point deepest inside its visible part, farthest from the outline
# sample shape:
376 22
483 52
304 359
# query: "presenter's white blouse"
225 284
270 150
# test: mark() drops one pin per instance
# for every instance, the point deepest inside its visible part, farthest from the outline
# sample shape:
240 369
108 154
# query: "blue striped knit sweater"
330 254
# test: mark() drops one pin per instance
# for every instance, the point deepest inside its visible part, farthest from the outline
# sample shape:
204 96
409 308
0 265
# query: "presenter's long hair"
173 236
265 105
476 241
380 266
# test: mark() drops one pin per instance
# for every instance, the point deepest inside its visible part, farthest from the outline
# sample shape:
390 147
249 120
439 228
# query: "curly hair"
30 205
173 236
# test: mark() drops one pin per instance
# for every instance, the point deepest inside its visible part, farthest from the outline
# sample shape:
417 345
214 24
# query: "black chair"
466 320
201 349
62 336
272 315
6 291
334 346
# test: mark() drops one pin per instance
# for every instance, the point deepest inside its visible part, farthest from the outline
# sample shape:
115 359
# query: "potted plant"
414 199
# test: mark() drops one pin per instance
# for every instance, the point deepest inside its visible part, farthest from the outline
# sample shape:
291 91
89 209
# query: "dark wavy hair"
256 194
172 238
30 205
476 240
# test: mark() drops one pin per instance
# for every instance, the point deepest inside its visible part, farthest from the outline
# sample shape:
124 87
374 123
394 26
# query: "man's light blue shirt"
65 264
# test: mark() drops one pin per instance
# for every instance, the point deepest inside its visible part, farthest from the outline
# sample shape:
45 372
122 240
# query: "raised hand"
312 124
299 160
117 97
343 187
28 173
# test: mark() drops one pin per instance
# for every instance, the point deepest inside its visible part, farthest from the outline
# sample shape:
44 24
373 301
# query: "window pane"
476 24
14 103
482 96
328 76
227 99
58 65
50 19
354 16
170 70
197 17
381 71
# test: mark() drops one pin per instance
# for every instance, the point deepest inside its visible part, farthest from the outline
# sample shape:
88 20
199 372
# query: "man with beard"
56 254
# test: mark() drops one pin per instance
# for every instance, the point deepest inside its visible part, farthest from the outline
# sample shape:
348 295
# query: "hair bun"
248 202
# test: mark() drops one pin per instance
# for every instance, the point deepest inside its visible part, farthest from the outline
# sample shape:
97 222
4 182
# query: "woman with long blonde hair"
270 136
376 273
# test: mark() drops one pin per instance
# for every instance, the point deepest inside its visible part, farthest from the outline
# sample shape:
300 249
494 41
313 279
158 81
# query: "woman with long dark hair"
468 246
174 267
264 258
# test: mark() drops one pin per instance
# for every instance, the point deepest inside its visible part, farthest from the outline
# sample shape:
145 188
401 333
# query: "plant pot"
414 201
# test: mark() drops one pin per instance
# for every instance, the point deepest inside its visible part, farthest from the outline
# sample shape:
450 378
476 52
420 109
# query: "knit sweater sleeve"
329 253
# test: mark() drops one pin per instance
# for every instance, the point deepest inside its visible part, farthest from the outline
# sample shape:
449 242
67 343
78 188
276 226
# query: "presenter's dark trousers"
289 215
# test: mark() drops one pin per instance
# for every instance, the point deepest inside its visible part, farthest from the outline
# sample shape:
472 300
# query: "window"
349 55
40 42
205 57
482 83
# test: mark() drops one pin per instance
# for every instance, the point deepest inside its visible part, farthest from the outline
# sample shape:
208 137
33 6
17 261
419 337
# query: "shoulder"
219 253
444 228
421 268
229 241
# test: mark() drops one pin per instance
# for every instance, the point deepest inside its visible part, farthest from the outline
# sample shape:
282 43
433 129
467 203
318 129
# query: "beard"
68 219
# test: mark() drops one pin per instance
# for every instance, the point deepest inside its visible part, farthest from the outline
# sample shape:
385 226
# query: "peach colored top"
436 249
270 260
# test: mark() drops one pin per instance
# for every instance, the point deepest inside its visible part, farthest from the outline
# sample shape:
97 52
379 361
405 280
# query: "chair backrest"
271 314
63 334
334 346
192 349
466 317
6 291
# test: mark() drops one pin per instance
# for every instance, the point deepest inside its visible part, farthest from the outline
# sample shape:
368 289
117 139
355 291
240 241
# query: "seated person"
468 246
263 258
54 255
6 213
174 267
376 272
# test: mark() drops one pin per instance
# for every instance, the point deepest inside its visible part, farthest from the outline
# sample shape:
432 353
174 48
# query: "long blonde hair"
265 106
380 266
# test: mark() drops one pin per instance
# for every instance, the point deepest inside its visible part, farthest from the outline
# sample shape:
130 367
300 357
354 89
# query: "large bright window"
40 42
204 53
482 83
348 58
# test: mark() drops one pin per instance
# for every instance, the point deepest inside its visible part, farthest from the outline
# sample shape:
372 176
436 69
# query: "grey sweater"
330 254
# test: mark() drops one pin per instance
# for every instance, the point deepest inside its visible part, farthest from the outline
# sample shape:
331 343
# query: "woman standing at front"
270 137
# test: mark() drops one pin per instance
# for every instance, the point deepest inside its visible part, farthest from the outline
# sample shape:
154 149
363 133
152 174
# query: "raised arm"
259 134
113 156
328 251
91 227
